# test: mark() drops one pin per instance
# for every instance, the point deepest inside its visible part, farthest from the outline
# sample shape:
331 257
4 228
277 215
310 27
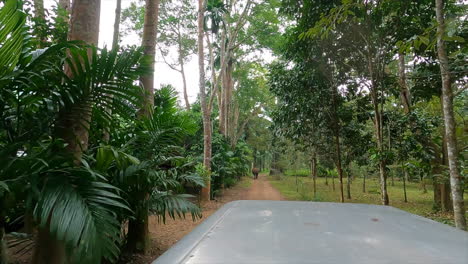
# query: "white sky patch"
163 74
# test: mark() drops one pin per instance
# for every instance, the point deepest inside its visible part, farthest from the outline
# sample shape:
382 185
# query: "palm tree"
72 205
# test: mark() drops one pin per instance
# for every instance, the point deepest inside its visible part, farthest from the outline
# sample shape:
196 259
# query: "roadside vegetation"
420 202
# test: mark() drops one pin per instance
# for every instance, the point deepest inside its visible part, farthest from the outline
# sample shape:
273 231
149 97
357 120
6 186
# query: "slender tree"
73 123
138 229
449 121
118 12
205 192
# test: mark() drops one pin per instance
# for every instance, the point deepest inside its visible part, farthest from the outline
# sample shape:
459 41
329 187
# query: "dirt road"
261 189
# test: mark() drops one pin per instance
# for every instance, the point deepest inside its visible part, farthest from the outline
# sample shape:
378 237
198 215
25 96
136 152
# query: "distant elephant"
255 172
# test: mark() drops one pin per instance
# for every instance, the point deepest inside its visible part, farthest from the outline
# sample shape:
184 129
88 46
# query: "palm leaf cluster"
84 206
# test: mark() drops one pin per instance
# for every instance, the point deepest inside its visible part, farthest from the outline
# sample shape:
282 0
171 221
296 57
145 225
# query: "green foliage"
419 203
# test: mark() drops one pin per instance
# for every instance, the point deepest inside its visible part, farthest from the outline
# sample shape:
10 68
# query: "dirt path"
261 189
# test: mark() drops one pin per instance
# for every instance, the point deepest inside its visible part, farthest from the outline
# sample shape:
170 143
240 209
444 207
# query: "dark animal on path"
255 172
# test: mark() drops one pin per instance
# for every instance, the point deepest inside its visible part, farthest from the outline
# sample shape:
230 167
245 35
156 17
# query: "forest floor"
419 202
163 236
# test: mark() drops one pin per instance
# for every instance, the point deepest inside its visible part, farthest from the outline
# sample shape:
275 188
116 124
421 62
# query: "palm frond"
174 205
79 210
12 21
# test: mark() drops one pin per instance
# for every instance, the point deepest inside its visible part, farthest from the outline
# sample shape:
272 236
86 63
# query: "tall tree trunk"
447 204
64 4
39 16
380 143
326 178
423 183
138 239
364 183
228 98
3 244
314 173
138 231
150 31
47 249
222 92
115 45
336 131
333 182
184 82
405 177
449 121
72 124
205 192
348 183
182 68
404 91
118 12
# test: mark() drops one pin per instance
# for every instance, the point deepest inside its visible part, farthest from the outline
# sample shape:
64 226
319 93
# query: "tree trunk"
364 183
138 239
184 82
333 182
228 97
423 184
314 173
205 192
326 178
449 121
64 4
47 249
150 31
404 91
336 128
348 184
138 232
118 12
379 137
3 245
182 68
39 16
72 124
404 184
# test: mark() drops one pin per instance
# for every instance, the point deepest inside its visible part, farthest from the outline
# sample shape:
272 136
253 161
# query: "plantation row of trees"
377 83
89 149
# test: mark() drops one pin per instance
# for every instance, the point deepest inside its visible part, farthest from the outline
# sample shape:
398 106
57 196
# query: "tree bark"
138 232
182 73
138 239
314 173
404 91
39 15
380 143
449 121
72 124
364 183
118 12
150 31
3 244
405 176
47 249
205 192
348 184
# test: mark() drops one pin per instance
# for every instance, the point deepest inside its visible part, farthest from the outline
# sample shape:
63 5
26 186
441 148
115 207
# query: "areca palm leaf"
79 209
104 80
12 33
175 205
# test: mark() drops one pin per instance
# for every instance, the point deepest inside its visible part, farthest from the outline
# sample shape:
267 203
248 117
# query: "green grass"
299 172
418 202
